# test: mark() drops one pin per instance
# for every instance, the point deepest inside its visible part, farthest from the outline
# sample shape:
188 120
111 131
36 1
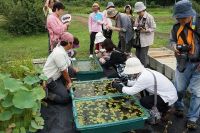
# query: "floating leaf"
6 115
36 107
30 80
38 93
23 99
39 120
35 125
3 92
12 85
7 102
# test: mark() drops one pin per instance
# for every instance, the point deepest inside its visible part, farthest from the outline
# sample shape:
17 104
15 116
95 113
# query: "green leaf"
31 129
3 92
43 77
25 68
36 107
30 80
38 93
3 76
7 102
35 125
22 130
6 115
16 110
23 99
16 130
39 120
12 85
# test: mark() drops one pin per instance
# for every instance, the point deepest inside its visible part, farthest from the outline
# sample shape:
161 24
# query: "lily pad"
43 77
30 80
3 92
22 130
23 99
6 115
16 111
7 102
12 84
38 93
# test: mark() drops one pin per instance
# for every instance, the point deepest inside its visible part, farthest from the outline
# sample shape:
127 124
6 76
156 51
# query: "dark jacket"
116 57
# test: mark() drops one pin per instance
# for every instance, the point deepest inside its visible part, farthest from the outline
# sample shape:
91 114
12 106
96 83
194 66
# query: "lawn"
35 46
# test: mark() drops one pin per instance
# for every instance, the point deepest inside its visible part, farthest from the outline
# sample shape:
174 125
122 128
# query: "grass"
35 46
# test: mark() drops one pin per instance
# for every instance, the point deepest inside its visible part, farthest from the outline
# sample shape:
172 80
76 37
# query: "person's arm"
90 23
173 40
152 25
67 78
57 29
62 65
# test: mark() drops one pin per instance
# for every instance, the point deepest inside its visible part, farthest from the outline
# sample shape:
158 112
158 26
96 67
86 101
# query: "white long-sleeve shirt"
165 88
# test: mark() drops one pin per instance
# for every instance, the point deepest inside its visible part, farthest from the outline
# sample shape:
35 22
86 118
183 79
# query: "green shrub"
23 16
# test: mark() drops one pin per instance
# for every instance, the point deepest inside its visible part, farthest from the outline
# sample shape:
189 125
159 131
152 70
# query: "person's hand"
175 49
123 30
76 69
102 60
108 27
117 85
142 29
96 51
68 85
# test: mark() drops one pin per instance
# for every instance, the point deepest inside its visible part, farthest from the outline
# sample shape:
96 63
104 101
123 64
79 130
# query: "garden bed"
108 114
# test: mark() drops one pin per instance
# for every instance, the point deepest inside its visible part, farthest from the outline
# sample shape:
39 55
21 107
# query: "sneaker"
179 113
91 56
191 125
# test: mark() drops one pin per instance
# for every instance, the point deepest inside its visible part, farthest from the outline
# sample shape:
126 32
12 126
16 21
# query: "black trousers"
92 38
148 103
107 34
141 54
123 46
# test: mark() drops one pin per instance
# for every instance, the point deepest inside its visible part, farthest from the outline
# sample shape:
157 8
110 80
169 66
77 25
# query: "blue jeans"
190 79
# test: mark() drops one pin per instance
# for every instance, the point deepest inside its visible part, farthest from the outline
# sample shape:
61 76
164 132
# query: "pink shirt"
56 28
94 25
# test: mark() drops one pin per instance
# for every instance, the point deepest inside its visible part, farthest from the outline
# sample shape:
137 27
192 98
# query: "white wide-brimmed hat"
139 6
99 38
133 66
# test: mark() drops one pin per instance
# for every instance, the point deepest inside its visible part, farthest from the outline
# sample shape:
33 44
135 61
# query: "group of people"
134 76
140 29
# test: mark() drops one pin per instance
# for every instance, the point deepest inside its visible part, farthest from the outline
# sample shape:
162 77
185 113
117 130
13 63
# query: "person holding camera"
144 27
124 27
141 78
185 40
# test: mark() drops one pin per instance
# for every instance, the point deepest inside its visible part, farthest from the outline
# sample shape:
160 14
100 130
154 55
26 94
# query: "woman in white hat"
99 38
146 26
143 79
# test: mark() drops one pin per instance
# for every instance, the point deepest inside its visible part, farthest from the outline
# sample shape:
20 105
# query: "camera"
182 56
183 48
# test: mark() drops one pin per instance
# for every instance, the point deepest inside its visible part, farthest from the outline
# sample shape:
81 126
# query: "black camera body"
182 56
183 48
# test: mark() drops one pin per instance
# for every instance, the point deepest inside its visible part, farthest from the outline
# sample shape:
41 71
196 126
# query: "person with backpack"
124 27
185 40
141 78
145 27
